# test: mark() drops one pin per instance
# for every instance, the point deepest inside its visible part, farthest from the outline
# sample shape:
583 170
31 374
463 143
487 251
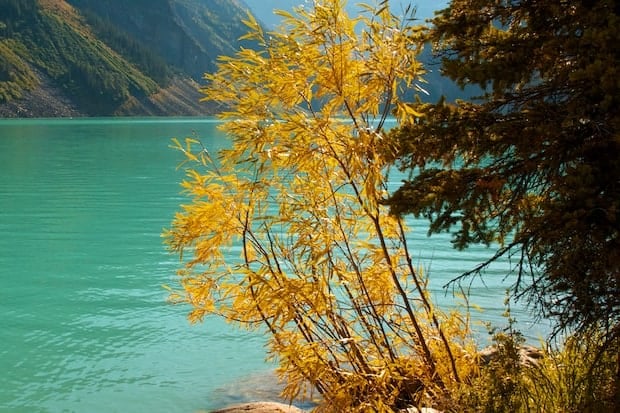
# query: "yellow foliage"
323 266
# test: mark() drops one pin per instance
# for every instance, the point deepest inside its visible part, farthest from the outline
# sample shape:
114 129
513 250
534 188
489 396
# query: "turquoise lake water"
84 323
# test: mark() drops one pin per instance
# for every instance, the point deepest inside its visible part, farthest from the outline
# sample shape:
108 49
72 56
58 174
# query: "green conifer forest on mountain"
104 58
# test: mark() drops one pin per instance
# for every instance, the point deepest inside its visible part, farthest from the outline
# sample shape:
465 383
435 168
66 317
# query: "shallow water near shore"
84 324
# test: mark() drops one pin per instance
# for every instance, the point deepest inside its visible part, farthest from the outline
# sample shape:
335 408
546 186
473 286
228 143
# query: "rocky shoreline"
180 98
260 407
272 407
266 385
46 101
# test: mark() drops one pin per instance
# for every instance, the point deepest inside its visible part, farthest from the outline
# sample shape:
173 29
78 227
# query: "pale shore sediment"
260 407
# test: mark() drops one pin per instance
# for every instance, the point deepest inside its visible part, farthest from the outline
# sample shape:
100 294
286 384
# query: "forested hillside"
111 57
263 9
189 35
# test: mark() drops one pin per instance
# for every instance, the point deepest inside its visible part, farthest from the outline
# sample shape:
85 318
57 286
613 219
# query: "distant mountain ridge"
131 57
111 57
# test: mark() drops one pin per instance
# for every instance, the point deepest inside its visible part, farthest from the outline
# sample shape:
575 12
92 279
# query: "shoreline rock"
260 407
529 356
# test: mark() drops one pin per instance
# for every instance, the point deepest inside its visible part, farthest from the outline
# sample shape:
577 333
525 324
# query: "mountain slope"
126 57
187 34
110 57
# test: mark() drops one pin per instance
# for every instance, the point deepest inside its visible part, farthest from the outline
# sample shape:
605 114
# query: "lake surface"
84 323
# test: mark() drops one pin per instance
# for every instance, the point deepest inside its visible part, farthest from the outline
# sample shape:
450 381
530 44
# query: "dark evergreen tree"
534 164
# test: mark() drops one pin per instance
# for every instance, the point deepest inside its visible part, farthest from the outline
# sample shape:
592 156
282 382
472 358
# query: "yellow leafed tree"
322 265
